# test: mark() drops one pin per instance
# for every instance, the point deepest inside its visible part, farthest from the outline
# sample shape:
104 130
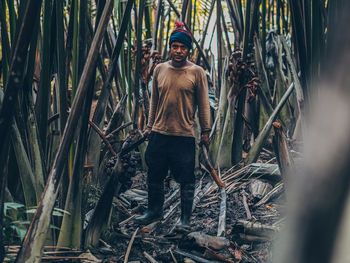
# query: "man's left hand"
205 140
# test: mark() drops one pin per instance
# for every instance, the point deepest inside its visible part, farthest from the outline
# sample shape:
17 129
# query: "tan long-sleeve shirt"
176 93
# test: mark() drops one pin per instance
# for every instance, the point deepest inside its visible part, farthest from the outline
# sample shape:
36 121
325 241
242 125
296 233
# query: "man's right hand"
147 132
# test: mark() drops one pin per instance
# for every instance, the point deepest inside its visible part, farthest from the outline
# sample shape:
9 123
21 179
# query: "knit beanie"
181 35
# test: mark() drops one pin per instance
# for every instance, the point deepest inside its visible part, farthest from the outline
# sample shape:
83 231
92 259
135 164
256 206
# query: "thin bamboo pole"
5 43
137 75
61 84
219 41
204 35
264 133
42 105
239 123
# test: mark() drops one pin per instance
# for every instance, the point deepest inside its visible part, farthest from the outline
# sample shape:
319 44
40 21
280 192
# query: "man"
178 88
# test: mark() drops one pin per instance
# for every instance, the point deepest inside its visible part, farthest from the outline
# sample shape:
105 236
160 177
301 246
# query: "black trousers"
166 152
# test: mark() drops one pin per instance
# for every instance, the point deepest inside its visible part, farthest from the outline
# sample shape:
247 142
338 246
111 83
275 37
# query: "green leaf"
11 205
21 232
20 222
31 211
55 227
56 213
61 210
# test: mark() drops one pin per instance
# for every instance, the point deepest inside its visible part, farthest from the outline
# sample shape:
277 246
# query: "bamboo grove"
74 83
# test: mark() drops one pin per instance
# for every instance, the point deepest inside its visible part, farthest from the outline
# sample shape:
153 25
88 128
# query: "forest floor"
246 236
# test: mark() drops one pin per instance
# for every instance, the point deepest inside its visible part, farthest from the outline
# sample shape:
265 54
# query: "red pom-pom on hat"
180 28
178 24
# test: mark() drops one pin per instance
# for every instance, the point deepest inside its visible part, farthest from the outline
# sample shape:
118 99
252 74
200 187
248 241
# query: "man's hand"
205 140
147 132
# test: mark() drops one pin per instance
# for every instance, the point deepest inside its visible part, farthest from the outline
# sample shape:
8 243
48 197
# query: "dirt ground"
159 241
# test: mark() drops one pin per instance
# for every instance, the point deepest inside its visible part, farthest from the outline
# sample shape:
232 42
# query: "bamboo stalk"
257 146
263 34
94 150
35 237
42 105
224 157
137 72
5 43
25 170
285 161
262 72
204 35
299 32
222 111
239 123
229 49
17 69
234 19
184 11
61 85
71 227
298 87
155 26
219 42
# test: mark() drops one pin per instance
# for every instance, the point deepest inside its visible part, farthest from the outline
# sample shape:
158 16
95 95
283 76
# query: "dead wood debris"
221 231
217 214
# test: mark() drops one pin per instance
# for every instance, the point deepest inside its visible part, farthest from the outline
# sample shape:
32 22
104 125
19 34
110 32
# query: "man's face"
179 51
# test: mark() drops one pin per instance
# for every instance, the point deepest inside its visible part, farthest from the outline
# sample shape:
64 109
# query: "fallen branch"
271 195
218 256
103 137
126 220
255 229
194 257
149 257
222 214
205 240
111 134
171 198
172 255
170 212
130 245
246 207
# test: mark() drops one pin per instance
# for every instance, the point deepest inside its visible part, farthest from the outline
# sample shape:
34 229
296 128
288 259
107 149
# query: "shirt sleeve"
154 99
203 102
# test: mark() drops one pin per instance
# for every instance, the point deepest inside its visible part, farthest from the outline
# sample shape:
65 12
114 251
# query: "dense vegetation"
72 72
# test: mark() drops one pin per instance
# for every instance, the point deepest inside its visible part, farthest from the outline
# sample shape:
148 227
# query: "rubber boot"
154 210
187 194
